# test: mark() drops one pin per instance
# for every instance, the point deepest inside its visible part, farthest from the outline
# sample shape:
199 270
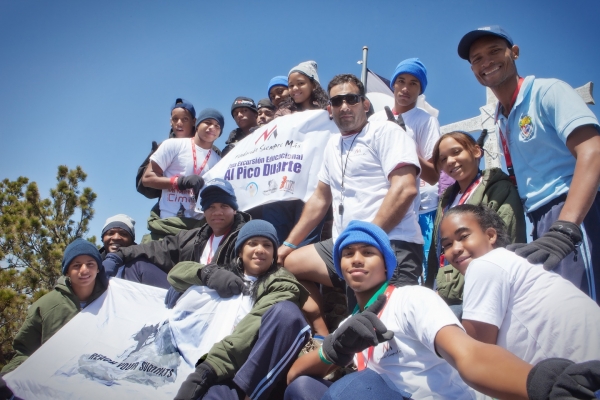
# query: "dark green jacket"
187 245
47 316
495 191
228 355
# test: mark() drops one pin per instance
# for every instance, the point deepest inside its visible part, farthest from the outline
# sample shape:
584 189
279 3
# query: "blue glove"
111 264
172 297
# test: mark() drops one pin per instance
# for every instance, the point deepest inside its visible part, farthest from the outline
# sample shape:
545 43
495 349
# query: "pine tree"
34 232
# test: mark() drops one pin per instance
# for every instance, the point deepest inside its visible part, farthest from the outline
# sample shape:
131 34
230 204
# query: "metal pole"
363 75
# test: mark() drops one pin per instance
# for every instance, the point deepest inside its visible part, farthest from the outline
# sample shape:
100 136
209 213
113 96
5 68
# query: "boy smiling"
407 335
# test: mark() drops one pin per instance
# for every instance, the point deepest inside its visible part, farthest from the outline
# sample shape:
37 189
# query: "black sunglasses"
350 99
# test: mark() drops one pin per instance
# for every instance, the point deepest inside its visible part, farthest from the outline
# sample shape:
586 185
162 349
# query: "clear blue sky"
91 83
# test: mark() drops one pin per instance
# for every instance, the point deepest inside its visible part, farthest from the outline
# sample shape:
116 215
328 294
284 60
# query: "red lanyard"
360 358
196 162
210 242
509 164
469 190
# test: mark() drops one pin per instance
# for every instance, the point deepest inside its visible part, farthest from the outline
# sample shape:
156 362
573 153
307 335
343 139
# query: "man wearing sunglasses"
369 173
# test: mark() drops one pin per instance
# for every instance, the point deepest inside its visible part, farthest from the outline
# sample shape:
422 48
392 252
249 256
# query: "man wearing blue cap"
178 165
212 242
408 82
551 145
405 341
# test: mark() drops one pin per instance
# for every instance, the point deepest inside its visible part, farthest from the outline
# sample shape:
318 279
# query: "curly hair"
486 218
318 98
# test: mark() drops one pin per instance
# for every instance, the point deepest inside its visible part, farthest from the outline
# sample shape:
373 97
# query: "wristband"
290 245
174 184
322 357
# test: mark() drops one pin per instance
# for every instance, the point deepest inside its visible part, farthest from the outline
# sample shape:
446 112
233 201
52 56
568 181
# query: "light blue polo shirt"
543 117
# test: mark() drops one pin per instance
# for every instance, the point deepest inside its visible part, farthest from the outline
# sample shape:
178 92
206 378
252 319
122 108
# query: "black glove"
5 392
541 378
225 282
193 182
197 383
356 334
579 381
392 118
111 264
552 247
172 297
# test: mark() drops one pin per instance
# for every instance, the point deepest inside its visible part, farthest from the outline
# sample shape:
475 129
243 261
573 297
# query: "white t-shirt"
174 157
538 313
210 248
377 150
416 314
424 128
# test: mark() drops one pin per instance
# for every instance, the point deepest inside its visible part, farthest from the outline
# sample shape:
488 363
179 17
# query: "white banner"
278 161
126 345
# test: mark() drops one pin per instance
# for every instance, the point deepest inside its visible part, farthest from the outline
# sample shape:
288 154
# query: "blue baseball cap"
183 103
467 41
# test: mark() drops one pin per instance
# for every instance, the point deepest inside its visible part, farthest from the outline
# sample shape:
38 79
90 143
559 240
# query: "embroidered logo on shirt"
389 350
526 127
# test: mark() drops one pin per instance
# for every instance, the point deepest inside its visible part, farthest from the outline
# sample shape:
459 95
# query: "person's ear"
366 104
329 111
515 52
492 236
478 152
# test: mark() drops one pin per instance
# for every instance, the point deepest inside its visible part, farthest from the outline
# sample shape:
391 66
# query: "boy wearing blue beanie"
408 82
398 333
83 281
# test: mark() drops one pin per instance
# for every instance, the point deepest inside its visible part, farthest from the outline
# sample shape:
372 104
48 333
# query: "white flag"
278 161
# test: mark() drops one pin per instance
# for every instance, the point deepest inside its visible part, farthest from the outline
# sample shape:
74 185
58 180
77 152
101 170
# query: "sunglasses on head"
350 99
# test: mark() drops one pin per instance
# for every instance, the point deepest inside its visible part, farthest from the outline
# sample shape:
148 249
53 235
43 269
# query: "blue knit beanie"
257 227
208 113
80 247
277 81
367 233
414 67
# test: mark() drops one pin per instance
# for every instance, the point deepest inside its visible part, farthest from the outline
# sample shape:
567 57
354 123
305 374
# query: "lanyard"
465 196
210 243
196 162
399 119
344 168
360 358
509 164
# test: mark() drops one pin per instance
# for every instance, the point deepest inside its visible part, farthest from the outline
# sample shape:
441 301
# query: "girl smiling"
458 155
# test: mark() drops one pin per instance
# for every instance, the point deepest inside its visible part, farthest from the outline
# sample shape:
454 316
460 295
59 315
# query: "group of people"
446 297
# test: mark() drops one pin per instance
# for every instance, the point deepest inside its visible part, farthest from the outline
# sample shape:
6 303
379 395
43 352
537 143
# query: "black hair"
346 78
237 268
318 97
486 218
